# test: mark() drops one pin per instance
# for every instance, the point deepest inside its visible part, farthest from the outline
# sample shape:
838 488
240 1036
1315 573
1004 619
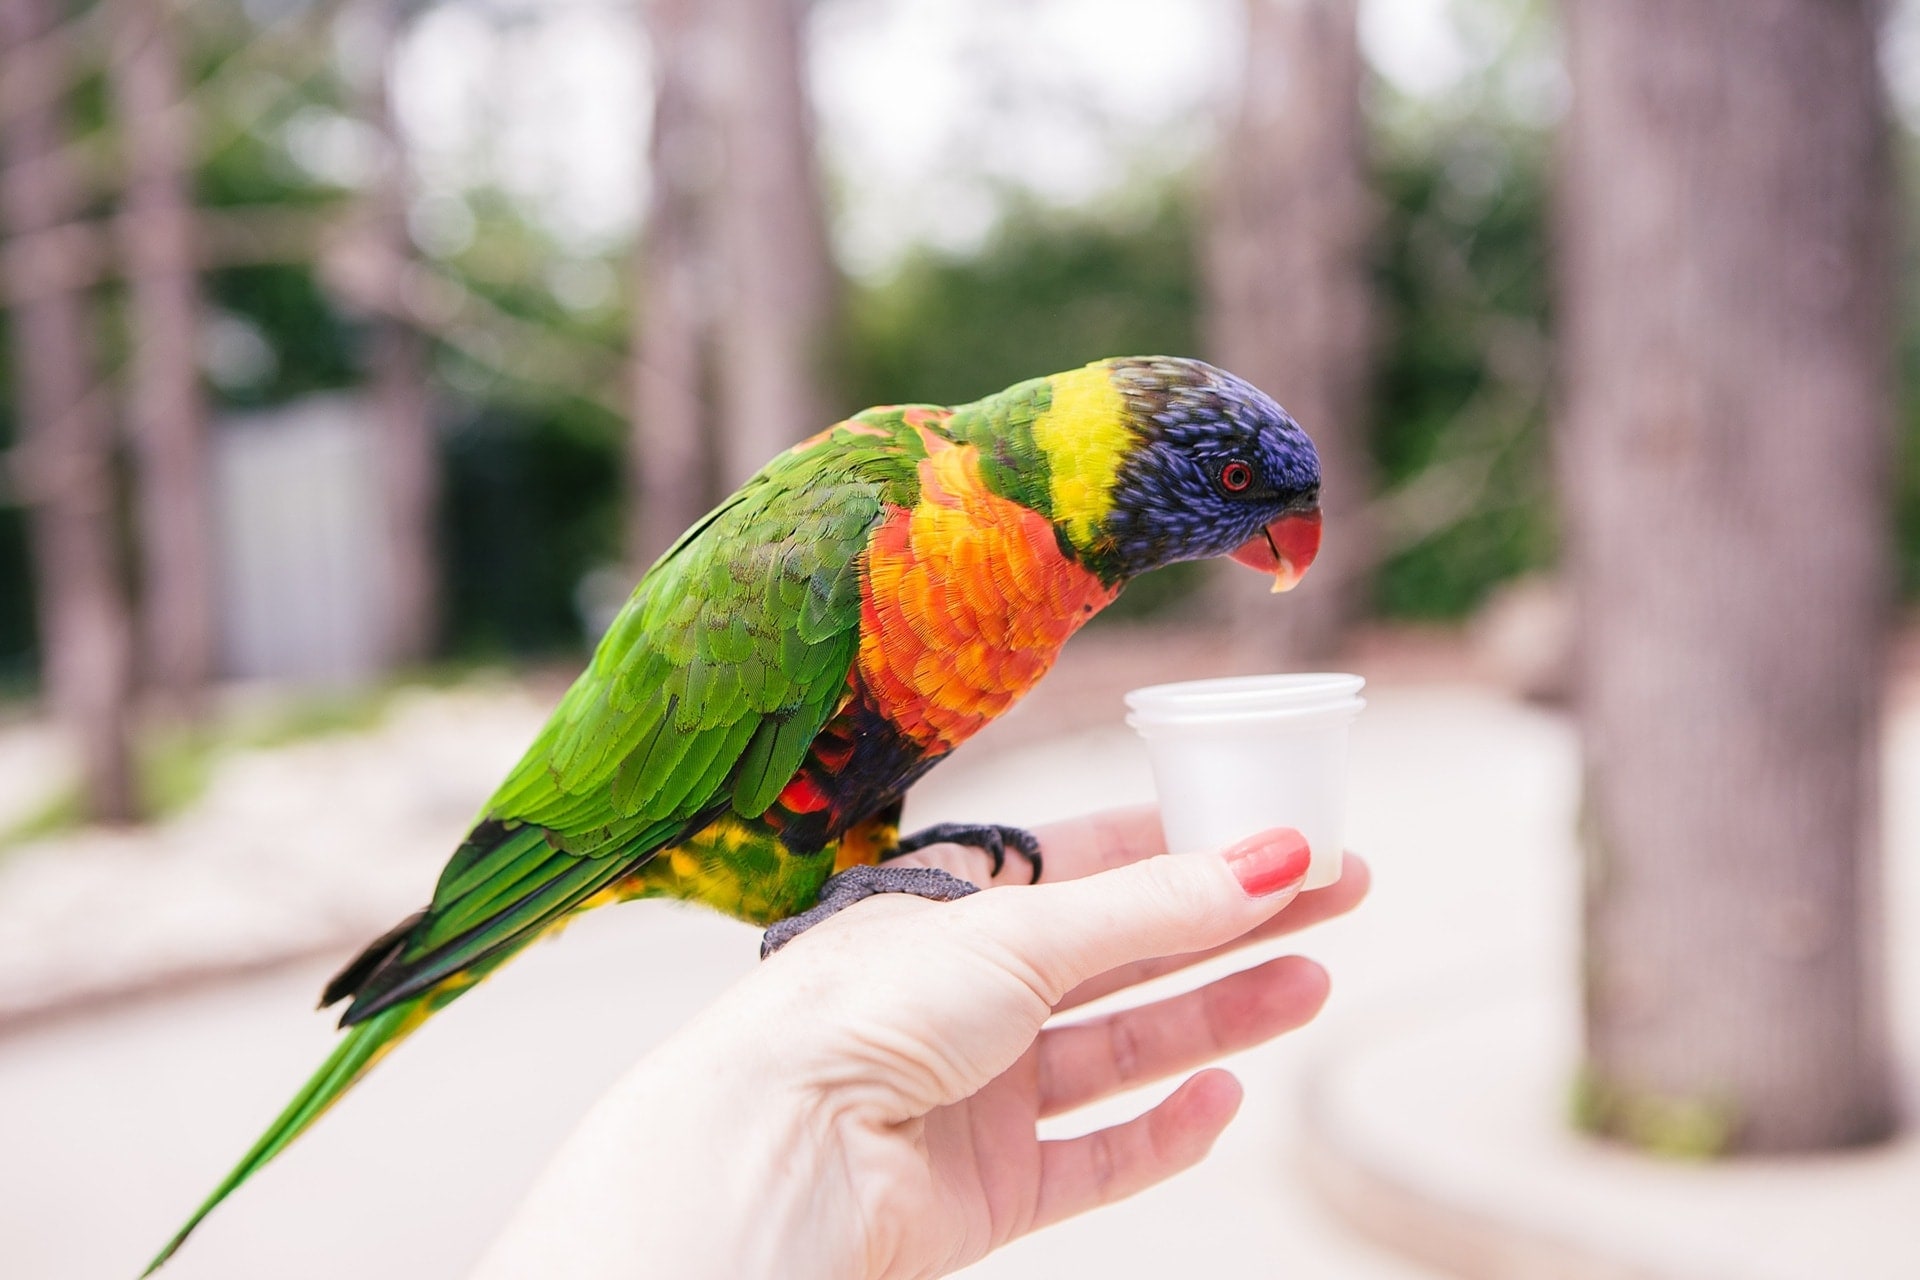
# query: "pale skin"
864 1103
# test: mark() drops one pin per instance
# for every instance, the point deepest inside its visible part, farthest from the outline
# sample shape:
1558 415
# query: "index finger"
1058 936
1310 908
1097 842
1102 841
1088 845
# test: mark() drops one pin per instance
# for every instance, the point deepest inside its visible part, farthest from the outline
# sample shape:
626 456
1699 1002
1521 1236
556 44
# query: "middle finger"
1089 1060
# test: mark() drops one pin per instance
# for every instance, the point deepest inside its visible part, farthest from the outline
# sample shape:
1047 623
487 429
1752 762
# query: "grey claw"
990 838
856 883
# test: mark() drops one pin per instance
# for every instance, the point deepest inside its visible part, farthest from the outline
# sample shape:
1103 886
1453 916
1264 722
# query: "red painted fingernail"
1269 862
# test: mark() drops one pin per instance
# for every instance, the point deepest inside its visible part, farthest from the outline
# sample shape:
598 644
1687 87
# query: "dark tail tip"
363 966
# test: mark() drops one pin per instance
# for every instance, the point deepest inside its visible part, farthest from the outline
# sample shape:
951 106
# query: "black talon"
990 838
841 891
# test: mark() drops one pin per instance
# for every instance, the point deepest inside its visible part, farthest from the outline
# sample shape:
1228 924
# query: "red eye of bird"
1235 477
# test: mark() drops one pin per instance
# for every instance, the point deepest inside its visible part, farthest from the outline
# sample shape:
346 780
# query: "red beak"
1284 548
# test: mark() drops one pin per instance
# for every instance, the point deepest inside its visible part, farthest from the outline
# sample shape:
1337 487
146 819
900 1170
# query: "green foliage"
533 469
17 642
532 505
60 812
1050 290
176 764
1677 1128
249 118
1160 594
1460 428
308 716
1907 495
313 347
1907 474
1449 573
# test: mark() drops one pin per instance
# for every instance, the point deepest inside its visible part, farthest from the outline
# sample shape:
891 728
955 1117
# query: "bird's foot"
991 839
850 886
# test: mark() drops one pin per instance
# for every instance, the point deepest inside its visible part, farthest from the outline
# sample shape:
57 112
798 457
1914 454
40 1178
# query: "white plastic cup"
1235 756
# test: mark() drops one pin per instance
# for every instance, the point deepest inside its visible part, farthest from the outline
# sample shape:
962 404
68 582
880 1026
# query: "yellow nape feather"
1084 435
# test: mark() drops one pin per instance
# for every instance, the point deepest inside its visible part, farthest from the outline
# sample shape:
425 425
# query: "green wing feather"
705 695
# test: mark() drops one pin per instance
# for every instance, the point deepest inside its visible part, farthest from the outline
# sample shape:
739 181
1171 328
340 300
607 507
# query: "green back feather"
1001 428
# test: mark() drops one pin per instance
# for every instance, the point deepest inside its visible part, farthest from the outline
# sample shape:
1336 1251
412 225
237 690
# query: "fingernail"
1269 862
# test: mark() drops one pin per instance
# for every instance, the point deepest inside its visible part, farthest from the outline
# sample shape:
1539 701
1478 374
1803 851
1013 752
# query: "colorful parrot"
748 726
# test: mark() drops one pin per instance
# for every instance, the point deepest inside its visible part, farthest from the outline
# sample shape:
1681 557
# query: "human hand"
864 1104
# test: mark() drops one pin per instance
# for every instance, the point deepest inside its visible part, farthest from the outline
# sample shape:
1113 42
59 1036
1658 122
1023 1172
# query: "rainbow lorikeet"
749 724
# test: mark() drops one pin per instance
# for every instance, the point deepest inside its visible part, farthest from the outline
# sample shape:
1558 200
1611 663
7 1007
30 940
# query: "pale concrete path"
295 850
1438 1130
1437 1123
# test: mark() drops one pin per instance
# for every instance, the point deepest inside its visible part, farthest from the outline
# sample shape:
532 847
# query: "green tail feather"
349 1060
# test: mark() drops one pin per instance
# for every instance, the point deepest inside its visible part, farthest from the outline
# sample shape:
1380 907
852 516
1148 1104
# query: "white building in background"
298 523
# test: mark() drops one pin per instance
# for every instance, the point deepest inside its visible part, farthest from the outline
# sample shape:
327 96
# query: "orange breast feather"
966 603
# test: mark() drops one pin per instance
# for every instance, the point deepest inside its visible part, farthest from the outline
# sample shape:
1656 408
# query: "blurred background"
358 354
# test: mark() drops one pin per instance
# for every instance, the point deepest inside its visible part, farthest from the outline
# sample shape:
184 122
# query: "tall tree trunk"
409 454
777 321
1727 276
670 452
737 285
1287 283
66 452
165 411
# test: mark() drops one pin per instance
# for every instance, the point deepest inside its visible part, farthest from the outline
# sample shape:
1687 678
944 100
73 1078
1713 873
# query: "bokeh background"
359 353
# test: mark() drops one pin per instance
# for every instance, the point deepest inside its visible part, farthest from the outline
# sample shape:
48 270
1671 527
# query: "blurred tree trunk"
409 456
1727 279
670 445
1288 287
165 412
64 462
778 318
737 285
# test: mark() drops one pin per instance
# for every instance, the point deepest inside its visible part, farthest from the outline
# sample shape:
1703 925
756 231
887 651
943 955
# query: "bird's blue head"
1178 460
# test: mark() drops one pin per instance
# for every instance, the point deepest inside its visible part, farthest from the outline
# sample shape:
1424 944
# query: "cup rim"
1236 697
1260 719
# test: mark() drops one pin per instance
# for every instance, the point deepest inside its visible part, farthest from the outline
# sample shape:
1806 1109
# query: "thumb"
1169 905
